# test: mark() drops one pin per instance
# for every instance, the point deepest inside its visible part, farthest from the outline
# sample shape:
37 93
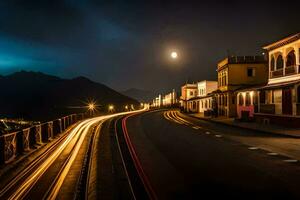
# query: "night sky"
126 44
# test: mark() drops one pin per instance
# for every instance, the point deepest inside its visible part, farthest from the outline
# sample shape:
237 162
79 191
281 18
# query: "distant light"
126 107
91 106
174 55
110 107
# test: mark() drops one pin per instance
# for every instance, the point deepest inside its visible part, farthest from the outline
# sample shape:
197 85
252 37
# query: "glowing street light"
126 107
174 55
110 108
91 106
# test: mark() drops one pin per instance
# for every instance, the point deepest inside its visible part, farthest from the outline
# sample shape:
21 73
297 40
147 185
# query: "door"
287 106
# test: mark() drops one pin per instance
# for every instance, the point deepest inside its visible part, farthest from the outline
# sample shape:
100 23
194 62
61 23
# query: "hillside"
38 96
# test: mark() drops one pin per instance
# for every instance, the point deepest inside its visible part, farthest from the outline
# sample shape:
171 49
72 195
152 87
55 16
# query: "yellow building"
279 101
235 73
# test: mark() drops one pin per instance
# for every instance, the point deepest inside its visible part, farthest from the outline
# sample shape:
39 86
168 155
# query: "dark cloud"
125 44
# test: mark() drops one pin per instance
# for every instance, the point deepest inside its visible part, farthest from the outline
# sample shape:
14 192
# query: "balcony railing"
277 73
291 70
287 71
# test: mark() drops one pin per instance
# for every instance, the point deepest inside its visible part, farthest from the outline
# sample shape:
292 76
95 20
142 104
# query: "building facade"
188 91
203 101
234 73
169 99
279 100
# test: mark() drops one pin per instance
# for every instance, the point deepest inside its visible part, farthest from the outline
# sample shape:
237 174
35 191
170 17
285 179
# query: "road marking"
290 160
218 136
272 154
207 132
196 127
253 148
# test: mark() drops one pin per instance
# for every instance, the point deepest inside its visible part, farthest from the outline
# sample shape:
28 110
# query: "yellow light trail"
78 133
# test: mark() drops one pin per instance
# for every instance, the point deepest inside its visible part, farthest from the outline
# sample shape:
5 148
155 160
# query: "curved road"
192 159
57 173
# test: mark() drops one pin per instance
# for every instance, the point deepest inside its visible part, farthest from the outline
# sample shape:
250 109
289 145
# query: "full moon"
174 55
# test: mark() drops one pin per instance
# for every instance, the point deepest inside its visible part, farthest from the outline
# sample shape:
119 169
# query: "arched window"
248 99
291 59
241 100
272 63
279 62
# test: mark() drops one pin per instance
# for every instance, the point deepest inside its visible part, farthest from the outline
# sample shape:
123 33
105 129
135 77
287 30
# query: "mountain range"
38 96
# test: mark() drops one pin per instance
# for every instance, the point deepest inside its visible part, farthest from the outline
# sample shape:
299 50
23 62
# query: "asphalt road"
191 159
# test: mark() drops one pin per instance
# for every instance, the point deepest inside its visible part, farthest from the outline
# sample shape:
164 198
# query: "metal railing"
16 143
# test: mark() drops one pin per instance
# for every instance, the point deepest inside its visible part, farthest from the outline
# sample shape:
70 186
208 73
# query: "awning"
280 85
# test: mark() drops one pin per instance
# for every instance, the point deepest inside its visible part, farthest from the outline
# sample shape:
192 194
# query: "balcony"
287 71
290 70
277 73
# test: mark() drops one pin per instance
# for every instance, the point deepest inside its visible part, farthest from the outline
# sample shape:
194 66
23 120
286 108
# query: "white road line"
253 148
218 136
272 154
290 160
207 132
196 127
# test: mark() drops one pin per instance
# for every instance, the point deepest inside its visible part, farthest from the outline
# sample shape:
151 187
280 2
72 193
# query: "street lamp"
110 108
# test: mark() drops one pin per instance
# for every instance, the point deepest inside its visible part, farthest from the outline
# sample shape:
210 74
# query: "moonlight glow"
174 55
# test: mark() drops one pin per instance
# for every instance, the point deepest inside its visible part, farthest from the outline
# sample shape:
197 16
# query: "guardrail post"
23 140
38 134
50 130
10 147
45 132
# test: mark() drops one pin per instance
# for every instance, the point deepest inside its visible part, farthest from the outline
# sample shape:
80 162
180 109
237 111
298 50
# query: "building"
188 91
203 101
170 99
235 73
279 100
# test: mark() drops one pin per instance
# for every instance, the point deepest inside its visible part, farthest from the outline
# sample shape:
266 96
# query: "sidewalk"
271 129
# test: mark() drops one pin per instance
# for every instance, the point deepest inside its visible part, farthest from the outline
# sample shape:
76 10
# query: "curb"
247 128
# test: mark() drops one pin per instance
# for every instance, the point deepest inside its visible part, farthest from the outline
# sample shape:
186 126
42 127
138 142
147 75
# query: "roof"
282 42
279 85
242 60
203 97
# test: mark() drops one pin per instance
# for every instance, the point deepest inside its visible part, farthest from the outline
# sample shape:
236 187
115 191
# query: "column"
297 58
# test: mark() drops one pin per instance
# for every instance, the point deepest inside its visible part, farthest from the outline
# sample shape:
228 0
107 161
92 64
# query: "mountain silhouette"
38 96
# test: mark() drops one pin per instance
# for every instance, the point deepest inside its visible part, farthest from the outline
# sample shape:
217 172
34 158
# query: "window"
191 93
262 97
241 100
250 72
272 63
279 62
291 59
248 99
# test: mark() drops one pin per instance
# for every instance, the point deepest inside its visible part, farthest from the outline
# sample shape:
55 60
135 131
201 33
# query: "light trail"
78 134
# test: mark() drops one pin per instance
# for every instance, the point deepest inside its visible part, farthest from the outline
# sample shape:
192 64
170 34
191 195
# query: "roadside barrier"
20 142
